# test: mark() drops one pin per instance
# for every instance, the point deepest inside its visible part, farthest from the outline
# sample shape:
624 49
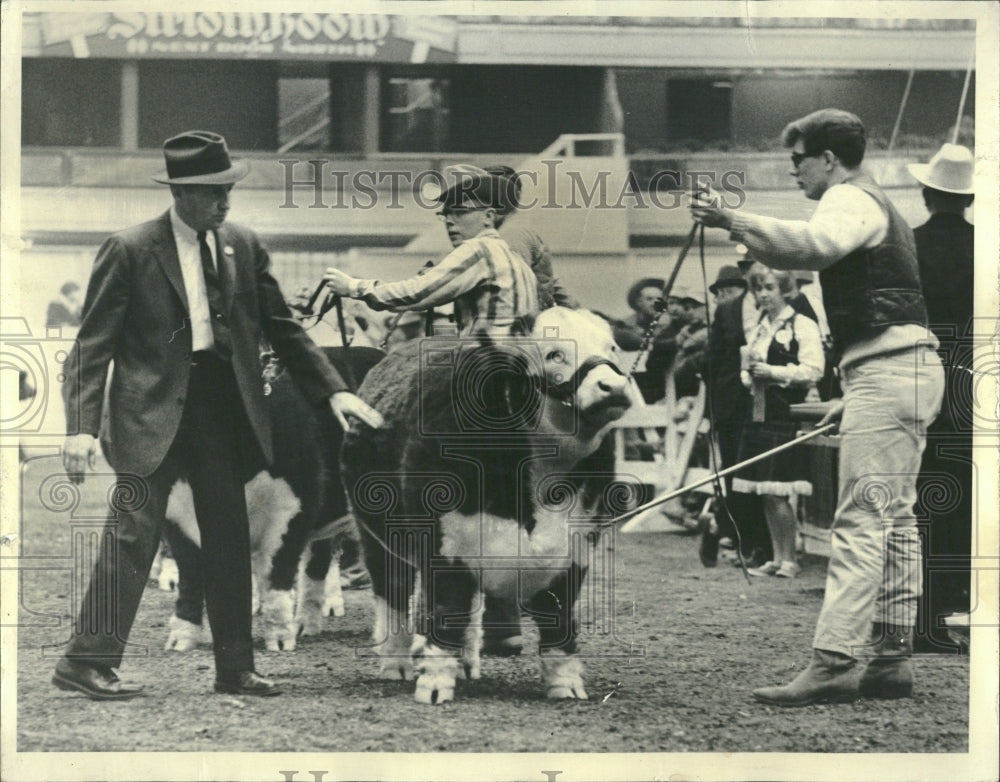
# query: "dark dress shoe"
245 683
96 682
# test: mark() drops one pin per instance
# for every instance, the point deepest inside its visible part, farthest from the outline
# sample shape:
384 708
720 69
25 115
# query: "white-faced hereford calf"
299 495
454 486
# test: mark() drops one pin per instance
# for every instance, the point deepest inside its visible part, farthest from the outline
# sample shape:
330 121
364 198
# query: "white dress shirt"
189 254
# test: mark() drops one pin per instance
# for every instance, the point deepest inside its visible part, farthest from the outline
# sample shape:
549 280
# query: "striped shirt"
490 284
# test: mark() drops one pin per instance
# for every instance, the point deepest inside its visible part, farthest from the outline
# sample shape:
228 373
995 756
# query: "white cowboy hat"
950 170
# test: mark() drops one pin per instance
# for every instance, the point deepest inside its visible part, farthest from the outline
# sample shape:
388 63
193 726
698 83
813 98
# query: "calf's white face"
582 365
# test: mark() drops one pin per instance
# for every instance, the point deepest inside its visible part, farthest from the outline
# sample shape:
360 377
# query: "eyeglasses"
798 157
457 211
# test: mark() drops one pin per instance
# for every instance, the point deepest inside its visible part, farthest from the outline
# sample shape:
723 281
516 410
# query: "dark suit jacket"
946 254
729 397
136 315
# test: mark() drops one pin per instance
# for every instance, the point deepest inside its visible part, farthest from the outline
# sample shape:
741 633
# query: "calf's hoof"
396 669
563 675
334 606
438 670
280 627
435 690
281 640
310 619
184 635
567 693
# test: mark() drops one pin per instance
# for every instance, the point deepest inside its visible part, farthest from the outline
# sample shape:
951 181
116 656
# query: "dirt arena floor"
672 652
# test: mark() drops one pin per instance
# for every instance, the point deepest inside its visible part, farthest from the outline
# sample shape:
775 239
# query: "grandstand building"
367 94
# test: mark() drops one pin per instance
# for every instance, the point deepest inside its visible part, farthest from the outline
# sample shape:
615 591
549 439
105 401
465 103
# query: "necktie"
220 329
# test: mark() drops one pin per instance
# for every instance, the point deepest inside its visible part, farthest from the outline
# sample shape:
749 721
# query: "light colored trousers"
874 574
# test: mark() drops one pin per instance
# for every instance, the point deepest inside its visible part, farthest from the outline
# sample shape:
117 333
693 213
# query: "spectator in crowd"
728 407
66 310
893 383
185 398
729 284
692 340
945 252
489 284
782 360
527 242
645 297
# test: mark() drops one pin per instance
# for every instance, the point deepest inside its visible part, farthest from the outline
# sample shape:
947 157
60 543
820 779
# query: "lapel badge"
227 250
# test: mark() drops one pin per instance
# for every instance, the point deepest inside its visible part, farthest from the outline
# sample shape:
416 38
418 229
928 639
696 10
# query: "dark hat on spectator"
688 295
804 276
632 297
729 276
950 170
200 157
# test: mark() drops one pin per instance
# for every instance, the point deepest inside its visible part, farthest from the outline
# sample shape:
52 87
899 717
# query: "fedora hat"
632 297
950 170
728 275
199 157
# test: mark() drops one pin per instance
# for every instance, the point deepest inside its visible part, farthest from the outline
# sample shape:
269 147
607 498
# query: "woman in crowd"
783 359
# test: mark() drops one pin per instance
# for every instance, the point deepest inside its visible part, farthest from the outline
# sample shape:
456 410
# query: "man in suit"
946 254
729 403
180 304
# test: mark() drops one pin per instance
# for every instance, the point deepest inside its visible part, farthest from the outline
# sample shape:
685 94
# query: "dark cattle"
299 496
459 486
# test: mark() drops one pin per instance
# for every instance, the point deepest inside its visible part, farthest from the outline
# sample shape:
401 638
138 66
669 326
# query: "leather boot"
830 677
890 673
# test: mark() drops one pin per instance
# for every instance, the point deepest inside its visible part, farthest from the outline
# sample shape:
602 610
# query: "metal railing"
573 145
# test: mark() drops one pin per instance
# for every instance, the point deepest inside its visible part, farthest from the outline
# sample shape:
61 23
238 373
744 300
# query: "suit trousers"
747 510
210 450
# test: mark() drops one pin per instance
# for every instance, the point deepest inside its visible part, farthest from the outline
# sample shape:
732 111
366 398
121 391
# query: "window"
70 103
416 115
303 114
699 110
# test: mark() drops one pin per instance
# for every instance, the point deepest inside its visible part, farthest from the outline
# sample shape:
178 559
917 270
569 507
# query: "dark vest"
777 398
869 290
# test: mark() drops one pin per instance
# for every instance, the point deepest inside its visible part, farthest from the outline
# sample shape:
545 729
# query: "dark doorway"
699 110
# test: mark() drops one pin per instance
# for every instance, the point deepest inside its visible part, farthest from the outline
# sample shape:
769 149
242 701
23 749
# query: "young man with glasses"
893 383
490 284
